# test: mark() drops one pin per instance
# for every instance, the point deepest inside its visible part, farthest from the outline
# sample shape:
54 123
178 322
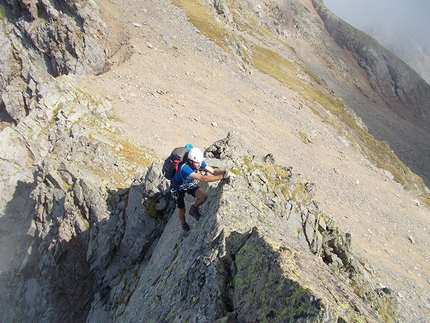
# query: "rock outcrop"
264 249
40 40
261 252
55 181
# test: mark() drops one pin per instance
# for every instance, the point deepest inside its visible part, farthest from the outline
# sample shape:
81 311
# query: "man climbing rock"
186 180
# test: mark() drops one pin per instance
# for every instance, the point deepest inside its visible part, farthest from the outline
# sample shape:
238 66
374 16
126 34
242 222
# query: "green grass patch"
142 156
202 17
278 177
2 14
304 137
277 66
426 199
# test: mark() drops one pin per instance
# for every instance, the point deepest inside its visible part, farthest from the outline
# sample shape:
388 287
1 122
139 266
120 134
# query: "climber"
186 181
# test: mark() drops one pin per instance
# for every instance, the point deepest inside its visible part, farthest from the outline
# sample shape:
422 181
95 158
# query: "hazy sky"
412 15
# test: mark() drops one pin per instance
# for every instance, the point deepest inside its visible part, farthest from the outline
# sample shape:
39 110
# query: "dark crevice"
4 115
234 243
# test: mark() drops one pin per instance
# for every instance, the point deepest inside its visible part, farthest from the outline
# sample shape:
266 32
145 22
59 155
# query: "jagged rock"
223 9
228 148
239 262
234 261
41 40
269 158
65 243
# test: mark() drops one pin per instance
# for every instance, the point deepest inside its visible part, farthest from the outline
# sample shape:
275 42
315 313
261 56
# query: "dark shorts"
179 196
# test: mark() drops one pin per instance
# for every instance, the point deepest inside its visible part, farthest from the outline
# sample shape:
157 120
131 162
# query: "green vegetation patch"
202 17
277 178
277 66
151 210
141 156
426 199
378 152
2 14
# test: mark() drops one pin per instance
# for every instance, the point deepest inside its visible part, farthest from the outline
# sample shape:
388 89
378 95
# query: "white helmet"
196 155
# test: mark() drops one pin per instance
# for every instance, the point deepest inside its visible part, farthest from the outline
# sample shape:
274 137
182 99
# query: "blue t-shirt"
181 177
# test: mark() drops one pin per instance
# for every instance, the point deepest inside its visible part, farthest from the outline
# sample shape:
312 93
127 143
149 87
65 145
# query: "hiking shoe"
194 212
185 227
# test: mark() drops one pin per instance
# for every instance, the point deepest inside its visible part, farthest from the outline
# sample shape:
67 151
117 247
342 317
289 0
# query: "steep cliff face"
411 48
60 235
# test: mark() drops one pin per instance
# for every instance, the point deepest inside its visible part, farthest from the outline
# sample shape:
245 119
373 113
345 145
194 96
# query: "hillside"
413 51
167 83
200 86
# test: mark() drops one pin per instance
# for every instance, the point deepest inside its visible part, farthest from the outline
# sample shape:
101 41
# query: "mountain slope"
172 85
392 112
256 102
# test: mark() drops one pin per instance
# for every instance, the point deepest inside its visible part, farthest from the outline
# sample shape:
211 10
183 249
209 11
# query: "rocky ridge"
102 242
47 266
89 248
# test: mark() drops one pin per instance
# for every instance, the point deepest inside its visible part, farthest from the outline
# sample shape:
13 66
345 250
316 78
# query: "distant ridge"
412 50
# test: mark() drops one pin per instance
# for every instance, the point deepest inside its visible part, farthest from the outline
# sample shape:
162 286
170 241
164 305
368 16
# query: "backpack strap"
178 169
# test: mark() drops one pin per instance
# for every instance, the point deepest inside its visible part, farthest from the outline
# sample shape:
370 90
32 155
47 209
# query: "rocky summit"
324 222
